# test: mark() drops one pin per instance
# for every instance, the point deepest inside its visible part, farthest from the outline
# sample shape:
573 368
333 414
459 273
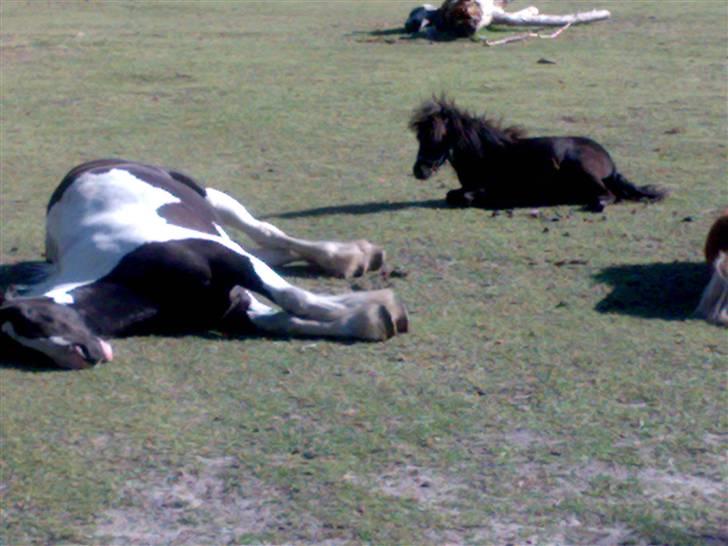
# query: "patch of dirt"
190 507
411 482
561 533
662 485
16 54
420 485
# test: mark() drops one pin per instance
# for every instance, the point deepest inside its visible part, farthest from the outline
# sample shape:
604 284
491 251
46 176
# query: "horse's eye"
82 350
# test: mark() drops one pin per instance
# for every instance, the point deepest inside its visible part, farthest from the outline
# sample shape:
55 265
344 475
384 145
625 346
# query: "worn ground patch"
189 506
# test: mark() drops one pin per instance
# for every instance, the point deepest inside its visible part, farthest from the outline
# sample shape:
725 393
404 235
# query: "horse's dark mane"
471 130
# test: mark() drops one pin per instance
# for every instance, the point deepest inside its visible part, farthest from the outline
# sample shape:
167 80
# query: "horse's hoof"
596 207
401 320
372 322
376 260
373 255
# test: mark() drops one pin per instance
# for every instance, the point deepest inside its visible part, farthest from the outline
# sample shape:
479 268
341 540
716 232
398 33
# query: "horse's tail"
624 189
713 305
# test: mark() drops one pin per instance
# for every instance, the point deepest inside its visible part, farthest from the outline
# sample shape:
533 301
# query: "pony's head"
444 131
57 331
431 123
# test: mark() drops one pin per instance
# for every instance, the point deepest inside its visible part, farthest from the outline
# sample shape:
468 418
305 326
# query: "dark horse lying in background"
498 167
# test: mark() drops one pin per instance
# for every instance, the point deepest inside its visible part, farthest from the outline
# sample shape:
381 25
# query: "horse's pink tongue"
108 353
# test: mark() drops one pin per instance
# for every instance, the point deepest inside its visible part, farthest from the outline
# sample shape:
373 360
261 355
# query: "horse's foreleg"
468 198
458 198
344 259
370 322
233 268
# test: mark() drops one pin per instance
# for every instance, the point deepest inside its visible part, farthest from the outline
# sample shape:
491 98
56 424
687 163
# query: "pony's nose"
420 172
107 350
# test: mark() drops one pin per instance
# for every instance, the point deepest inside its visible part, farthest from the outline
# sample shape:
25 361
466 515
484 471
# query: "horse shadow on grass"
399 34
362 208
430 34
667 291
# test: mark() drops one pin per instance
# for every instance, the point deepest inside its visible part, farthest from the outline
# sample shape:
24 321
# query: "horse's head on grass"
56 331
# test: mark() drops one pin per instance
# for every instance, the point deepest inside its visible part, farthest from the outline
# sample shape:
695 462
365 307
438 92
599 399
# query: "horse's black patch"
167 287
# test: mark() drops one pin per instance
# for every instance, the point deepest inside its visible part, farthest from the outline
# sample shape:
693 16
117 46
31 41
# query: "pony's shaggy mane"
462 120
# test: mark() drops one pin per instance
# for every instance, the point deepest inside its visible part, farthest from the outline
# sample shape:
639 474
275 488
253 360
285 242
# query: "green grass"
553 387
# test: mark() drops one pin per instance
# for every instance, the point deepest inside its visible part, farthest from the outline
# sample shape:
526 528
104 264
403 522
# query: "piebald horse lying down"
713 305
134 249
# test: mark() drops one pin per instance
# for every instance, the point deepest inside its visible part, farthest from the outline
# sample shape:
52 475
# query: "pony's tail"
713 305
624 189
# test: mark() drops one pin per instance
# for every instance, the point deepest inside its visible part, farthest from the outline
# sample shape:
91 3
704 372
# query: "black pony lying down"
498 167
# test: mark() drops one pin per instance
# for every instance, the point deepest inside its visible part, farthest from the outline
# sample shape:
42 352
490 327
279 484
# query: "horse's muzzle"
422 171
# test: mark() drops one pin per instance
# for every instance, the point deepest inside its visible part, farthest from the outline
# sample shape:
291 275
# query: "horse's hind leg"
590 190
343 259
599 202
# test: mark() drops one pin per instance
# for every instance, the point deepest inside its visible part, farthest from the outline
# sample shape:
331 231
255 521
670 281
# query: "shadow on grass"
392 35
15 356
397 31
668 291
362 208
21 273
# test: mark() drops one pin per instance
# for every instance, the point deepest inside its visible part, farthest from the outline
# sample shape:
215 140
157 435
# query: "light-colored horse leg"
713 305
370 322
343 259
274 256
308 305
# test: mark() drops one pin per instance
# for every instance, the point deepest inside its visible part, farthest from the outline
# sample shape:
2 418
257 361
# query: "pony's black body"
501 168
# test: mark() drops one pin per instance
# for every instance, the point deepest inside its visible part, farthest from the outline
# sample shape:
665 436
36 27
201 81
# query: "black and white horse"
499 167
455 18
134 249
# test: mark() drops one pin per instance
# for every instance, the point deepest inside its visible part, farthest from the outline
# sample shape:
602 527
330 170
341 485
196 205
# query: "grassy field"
553 389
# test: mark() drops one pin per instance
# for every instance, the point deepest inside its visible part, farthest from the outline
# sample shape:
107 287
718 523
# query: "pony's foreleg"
344 259
467 198
713 305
